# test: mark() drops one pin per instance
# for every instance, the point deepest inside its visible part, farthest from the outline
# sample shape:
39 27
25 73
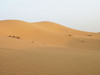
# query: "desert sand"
47 48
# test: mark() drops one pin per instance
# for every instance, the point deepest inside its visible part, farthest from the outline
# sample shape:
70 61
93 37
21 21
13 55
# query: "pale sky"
77 14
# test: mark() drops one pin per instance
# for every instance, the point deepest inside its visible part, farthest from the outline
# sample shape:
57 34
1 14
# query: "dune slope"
47 48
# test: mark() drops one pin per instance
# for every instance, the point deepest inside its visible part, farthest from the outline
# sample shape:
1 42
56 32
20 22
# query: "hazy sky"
78 14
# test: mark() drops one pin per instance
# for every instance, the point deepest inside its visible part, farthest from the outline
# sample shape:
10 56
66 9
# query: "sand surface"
47 48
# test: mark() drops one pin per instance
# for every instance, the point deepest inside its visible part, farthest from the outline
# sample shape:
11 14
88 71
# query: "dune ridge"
47 48
45 32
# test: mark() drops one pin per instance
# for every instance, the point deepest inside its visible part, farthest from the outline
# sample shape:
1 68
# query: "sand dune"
47 48
62 29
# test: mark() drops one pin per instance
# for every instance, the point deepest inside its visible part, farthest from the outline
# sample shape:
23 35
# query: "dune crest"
44 32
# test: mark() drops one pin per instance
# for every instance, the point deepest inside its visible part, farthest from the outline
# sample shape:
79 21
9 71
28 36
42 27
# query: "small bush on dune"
9 36
89 35
43 43
18 37
66 30
13 36
82 41
70 35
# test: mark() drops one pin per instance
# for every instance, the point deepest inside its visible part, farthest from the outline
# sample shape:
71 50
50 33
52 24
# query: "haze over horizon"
77 14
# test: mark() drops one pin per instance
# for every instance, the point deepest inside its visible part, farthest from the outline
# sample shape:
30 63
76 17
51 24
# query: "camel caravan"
14 37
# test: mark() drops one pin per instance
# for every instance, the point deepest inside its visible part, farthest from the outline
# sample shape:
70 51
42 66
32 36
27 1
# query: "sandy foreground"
47 48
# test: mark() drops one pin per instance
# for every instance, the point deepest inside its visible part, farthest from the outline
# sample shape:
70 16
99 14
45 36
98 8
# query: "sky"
82 15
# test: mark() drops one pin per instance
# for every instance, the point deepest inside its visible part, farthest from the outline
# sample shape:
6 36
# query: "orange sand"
46 48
